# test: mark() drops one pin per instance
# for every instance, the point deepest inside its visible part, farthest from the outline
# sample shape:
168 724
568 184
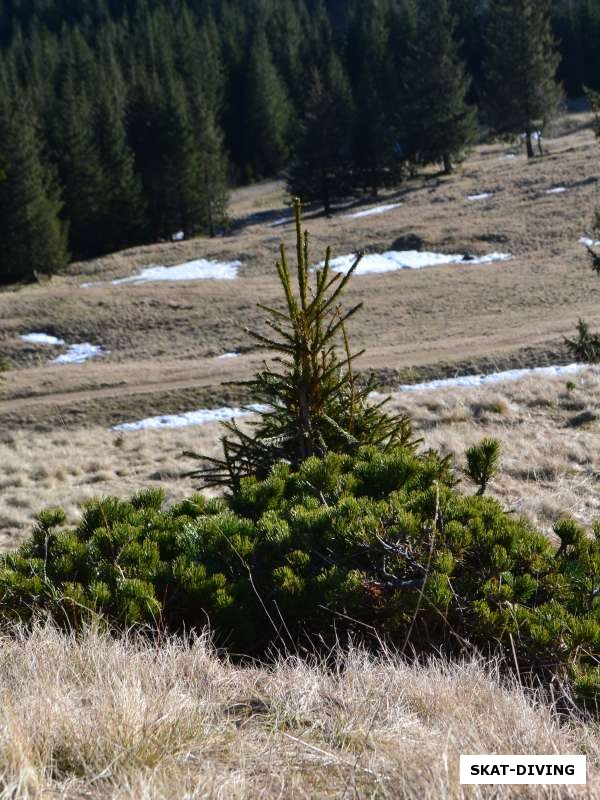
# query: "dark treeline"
125 121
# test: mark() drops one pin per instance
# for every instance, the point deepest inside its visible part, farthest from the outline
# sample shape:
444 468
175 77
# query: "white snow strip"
78 353
178 237
229 355
585 240
280 221
407 259
556 190
201 416
41 338
507 157
494 377
375 210
482 196
200 269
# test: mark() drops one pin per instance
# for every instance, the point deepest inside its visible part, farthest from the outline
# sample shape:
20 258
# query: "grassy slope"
123 719
163 337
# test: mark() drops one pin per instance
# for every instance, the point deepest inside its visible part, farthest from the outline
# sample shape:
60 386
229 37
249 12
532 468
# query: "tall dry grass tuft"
104 717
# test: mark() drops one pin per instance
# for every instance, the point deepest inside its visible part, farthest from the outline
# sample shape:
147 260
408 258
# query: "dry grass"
549 429
550 463
120 718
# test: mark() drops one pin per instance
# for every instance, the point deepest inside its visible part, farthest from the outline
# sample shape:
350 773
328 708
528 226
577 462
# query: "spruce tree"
314 403
214 175
32 235
521 89
123 211
180 168
267 122
76 149
371 73
438 123
321 168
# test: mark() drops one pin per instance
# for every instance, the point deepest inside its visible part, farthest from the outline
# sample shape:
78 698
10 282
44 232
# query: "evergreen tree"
266 123
321 168
370 69
522 92
213 175
285 34
439 123
180 198
76 150
122 216
314 404
32 235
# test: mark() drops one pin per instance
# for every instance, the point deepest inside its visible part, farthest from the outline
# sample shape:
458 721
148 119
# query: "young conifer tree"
522 92
310 402
439 124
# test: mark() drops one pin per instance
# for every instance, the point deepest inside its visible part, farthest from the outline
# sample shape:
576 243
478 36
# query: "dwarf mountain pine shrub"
343 545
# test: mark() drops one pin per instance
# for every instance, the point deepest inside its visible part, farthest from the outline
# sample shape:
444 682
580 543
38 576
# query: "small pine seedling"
482 462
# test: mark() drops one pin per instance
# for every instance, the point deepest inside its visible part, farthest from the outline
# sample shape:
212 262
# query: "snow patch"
494 377
76 353
407 259
280 221
507 157
201 416
200 269
482 196
41 338
178 237
585 240
229 355
556 190
79 353
375 210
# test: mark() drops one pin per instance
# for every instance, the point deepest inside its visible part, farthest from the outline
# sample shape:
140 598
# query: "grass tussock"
102 717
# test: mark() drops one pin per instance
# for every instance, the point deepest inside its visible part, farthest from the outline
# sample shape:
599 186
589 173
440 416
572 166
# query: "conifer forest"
126 122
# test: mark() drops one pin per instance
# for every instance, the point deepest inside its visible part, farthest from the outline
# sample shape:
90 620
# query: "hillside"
162 340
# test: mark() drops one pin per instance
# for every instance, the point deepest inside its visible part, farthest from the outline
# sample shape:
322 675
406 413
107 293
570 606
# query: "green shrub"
340 544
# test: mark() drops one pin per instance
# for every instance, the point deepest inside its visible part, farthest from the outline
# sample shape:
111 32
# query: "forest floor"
162 340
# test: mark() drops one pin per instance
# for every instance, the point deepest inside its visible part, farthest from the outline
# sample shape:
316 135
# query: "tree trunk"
447 164
325 193
529 144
